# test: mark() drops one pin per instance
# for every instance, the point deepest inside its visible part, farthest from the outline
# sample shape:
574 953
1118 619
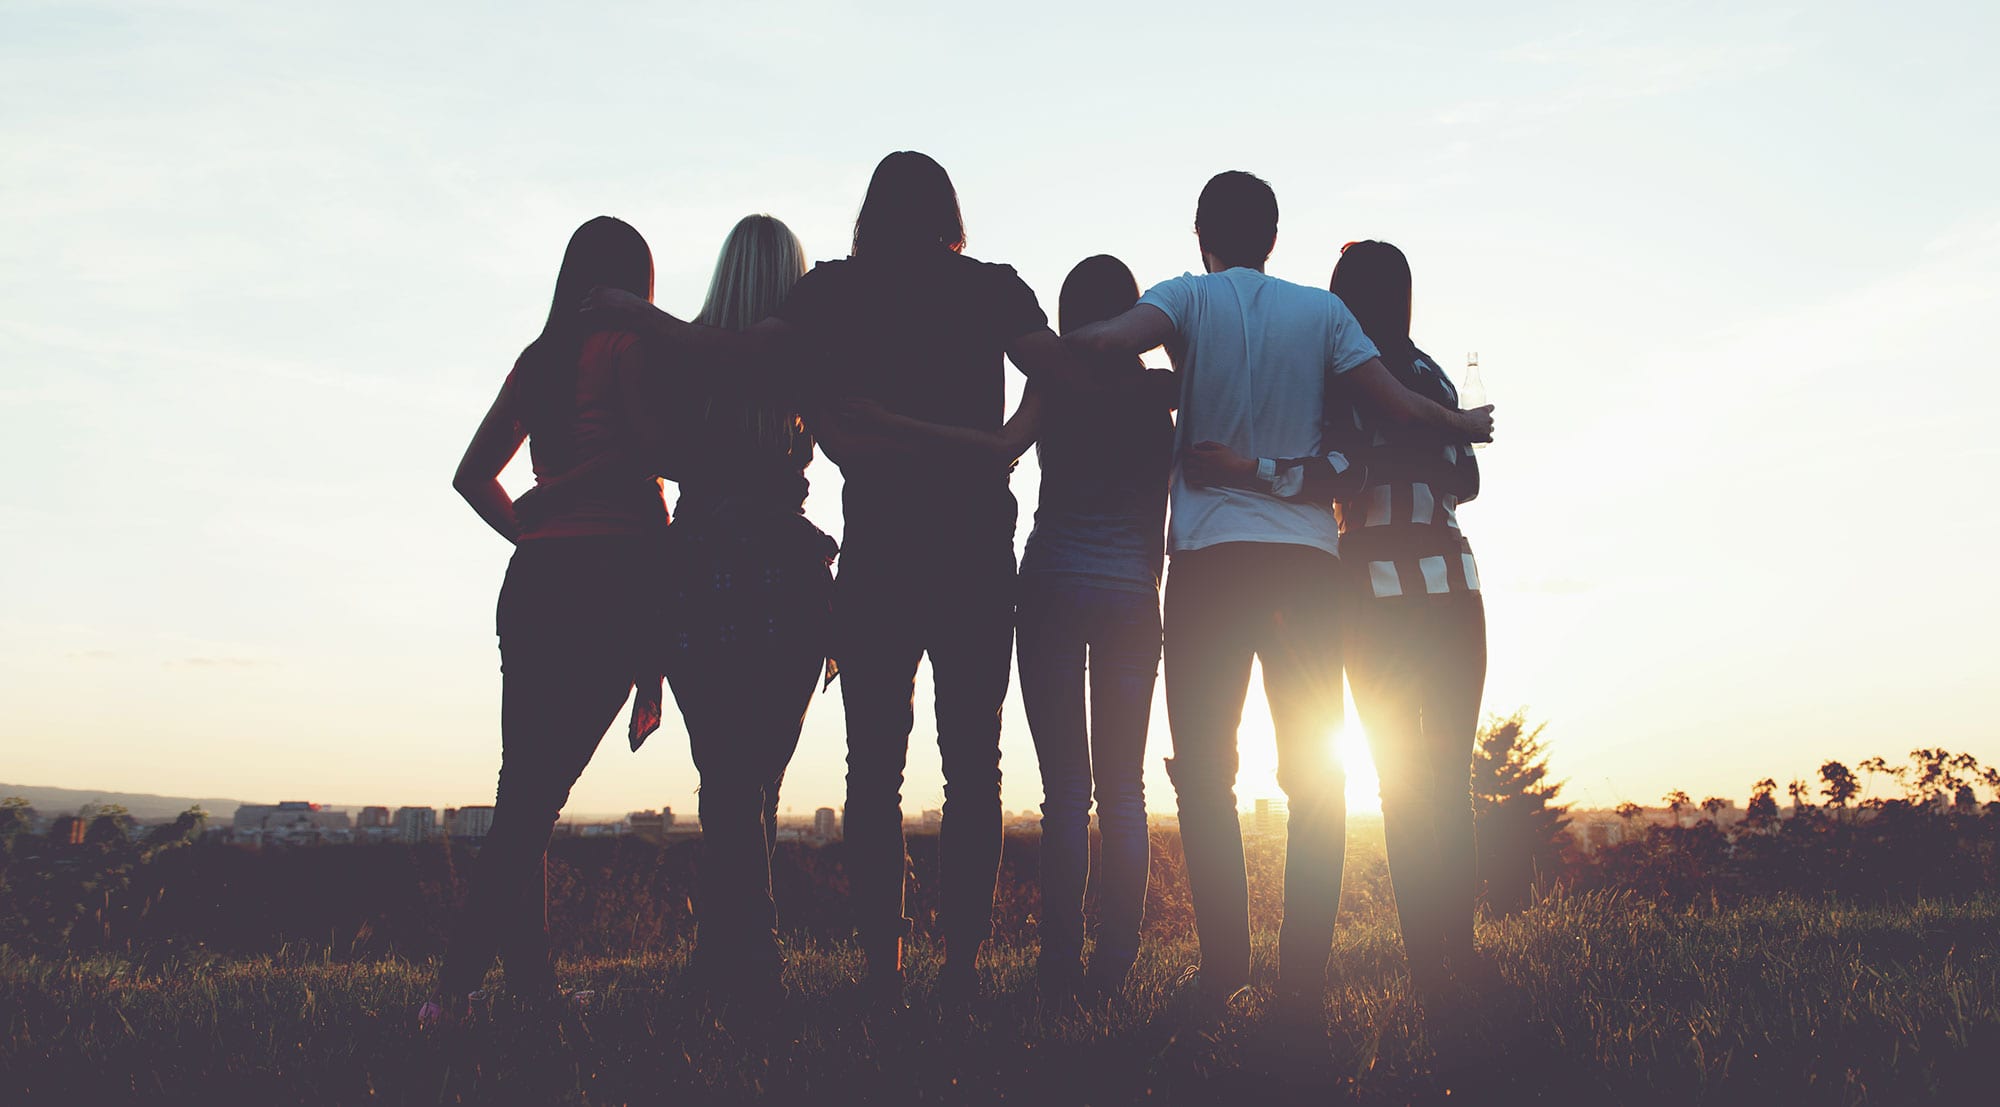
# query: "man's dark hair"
911 208
1236 218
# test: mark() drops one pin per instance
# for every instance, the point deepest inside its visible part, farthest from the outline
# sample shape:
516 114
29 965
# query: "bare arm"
493 445
1004 445
762 346
1138 329
1378 393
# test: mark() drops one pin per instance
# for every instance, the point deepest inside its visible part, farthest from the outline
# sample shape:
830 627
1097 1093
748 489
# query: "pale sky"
1734 277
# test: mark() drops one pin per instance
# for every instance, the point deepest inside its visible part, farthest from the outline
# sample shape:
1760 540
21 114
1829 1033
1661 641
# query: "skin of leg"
878 654
1302 680
1124 668
1209 644
971 640
1052 655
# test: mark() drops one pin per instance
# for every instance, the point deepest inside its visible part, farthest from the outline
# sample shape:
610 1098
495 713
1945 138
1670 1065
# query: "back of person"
1254 353
923 334
632 505
1106 461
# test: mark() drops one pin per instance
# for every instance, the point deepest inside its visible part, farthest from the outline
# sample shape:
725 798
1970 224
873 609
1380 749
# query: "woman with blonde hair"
749 592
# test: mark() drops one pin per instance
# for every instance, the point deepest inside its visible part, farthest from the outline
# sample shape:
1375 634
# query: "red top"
600 507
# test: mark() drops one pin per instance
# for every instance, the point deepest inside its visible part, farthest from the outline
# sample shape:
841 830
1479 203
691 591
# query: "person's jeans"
744 709
1063 629
891 608
1418 667
1278 603
570 618
749 595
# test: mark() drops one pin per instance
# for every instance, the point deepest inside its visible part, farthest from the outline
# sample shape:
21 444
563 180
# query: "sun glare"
1257 752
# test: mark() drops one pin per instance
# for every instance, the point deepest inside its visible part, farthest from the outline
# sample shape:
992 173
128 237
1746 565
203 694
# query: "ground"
1600 999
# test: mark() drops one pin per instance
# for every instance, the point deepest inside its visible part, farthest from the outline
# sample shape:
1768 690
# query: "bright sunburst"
1257 750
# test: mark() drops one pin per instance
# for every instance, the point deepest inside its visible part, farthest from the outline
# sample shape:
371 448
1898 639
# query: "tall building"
416 824
372 818
650 825
475 821
826 824
1269 818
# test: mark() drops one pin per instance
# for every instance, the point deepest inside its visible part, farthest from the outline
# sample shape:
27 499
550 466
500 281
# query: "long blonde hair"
761 260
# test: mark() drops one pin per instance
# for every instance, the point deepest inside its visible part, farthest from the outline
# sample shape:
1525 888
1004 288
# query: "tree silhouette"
1841 786
1763 808
1522 832
1677 802
1715 806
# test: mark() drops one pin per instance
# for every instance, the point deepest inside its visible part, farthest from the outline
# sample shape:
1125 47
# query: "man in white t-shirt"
1269 369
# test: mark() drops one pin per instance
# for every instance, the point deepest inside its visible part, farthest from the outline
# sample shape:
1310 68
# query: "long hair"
604 252
760 262
911 208
1373 279
1099 288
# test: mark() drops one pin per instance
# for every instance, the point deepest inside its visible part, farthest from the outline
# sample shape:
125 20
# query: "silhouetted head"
1099 288
1236 219
911 207
760 262
1373 279
604 252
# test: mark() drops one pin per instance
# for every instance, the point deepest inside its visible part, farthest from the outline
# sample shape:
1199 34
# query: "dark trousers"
1064 629
1278 603
1418 667
891 608
744 705
569 617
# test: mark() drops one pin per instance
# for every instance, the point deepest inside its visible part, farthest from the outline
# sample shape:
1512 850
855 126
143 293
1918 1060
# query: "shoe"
441 1012
1204 1000
957 983
881 992
1298 1011
1104 980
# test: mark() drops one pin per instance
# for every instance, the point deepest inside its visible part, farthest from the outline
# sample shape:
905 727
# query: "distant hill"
66 801
146 806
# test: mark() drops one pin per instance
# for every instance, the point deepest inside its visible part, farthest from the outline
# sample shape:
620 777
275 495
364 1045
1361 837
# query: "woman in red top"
572 610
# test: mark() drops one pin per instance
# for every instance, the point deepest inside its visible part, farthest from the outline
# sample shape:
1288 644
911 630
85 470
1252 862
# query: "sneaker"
441 1012
1203 1000
958 983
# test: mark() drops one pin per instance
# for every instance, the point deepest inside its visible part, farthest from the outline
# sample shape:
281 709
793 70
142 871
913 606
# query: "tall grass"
1594 998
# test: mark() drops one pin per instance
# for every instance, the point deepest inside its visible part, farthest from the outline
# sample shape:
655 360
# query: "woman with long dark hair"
1415 629
573 618
1090 604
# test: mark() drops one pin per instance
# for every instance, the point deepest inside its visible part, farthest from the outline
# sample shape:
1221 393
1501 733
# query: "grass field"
1594 999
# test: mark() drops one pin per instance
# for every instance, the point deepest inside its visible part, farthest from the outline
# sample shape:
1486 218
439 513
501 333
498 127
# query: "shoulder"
987 272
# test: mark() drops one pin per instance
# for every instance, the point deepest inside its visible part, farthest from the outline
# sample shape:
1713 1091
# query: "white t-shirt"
1254 354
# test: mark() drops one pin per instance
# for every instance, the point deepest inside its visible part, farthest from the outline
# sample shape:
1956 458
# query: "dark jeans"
891 608
1065 628
1418 667
743 694
1278 603
570 618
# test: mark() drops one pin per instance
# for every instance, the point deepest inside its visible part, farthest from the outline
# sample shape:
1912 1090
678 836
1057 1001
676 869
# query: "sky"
1733 272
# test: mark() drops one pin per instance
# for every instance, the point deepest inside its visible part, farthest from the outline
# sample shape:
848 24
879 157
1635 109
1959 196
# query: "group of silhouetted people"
1313 472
